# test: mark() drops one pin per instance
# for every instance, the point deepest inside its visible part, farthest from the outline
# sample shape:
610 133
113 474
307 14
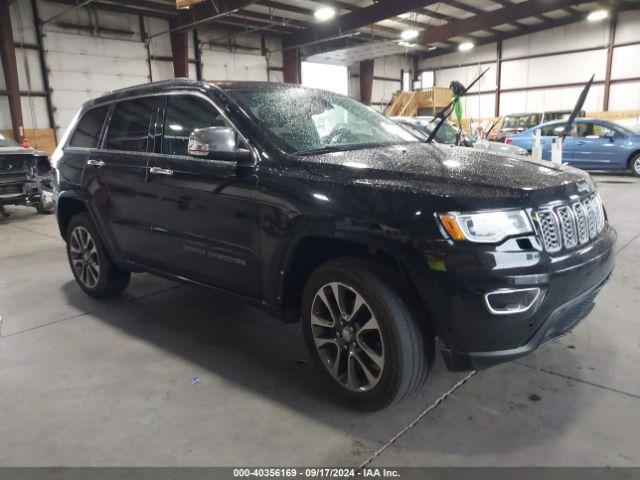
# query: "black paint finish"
244 228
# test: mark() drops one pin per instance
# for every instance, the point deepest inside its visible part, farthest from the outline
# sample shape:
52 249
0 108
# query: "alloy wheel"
347 337
84 257
636 165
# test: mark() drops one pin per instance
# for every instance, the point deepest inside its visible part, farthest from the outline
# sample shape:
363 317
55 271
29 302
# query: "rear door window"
87 133
129 126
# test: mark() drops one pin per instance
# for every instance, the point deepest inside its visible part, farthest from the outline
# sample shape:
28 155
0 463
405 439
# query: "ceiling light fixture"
466 46
324 13
597 15
407 35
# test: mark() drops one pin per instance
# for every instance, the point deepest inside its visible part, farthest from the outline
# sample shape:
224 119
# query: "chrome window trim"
114 102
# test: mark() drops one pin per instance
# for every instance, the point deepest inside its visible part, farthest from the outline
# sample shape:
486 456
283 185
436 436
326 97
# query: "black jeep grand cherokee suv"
318 209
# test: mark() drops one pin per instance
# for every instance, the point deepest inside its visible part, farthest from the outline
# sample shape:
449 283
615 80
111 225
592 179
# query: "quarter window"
184 114
87 132
129 126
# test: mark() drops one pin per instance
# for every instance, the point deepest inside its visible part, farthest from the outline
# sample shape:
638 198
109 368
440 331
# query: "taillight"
508 141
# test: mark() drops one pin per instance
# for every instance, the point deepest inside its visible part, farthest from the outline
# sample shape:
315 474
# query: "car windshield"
415 130
7 142
305 121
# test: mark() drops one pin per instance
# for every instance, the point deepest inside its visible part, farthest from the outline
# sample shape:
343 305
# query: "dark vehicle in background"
25 177
516 123
317 209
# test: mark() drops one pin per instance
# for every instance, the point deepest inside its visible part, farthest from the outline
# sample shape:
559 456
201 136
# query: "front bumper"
461 275
560 322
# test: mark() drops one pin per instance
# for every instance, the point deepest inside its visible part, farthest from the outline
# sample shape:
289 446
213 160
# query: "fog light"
510 301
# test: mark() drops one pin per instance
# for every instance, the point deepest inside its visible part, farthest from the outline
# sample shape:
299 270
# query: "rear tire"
92 267
369 346
634 165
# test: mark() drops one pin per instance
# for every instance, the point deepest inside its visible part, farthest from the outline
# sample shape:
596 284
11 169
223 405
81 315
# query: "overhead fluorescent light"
407 35
463 47
324 13
597 15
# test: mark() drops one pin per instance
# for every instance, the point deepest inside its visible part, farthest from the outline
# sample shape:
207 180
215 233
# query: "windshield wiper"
442 116
488 132
576 109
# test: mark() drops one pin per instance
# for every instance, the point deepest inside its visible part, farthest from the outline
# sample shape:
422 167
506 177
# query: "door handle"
160 171
580 143
95 163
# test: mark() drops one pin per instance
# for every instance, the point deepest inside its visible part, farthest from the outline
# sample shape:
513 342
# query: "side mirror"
217 143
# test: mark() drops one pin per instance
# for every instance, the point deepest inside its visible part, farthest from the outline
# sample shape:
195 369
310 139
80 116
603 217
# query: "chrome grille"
550 231
567 226
581 222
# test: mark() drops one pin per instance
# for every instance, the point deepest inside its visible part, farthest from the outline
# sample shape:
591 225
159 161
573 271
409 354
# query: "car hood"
484 178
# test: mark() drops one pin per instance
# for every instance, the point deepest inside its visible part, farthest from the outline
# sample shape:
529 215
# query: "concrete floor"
85 382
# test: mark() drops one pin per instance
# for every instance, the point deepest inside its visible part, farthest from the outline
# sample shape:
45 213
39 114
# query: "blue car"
593 144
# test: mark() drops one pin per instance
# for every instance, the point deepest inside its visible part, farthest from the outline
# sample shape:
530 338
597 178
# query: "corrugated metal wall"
534 81
89 52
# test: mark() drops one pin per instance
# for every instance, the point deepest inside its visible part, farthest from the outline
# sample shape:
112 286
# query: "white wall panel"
624 96
626 62
559 69
85 67
627 29
29 71
5 115
276 76
549 99
22 22
483 53
570 37
479 106
389 67
34 112
466 75
218 66
159 46
383 90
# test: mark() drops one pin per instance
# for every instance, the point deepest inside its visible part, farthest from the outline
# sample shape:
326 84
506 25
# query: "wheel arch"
631 157
67 206
313 250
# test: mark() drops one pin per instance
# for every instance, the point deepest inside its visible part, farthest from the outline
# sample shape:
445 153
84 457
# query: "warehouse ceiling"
363 29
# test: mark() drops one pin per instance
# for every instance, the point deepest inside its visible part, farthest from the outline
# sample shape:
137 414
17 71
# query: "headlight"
486 227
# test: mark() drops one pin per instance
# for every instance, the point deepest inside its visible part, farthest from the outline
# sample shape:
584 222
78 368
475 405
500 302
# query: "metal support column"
291 65
607 79
366 81
43 68
179 51
10 68
498 76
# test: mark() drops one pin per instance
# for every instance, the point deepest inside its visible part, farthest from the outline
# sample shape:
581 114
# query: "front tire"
93 269
634 165
361 333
